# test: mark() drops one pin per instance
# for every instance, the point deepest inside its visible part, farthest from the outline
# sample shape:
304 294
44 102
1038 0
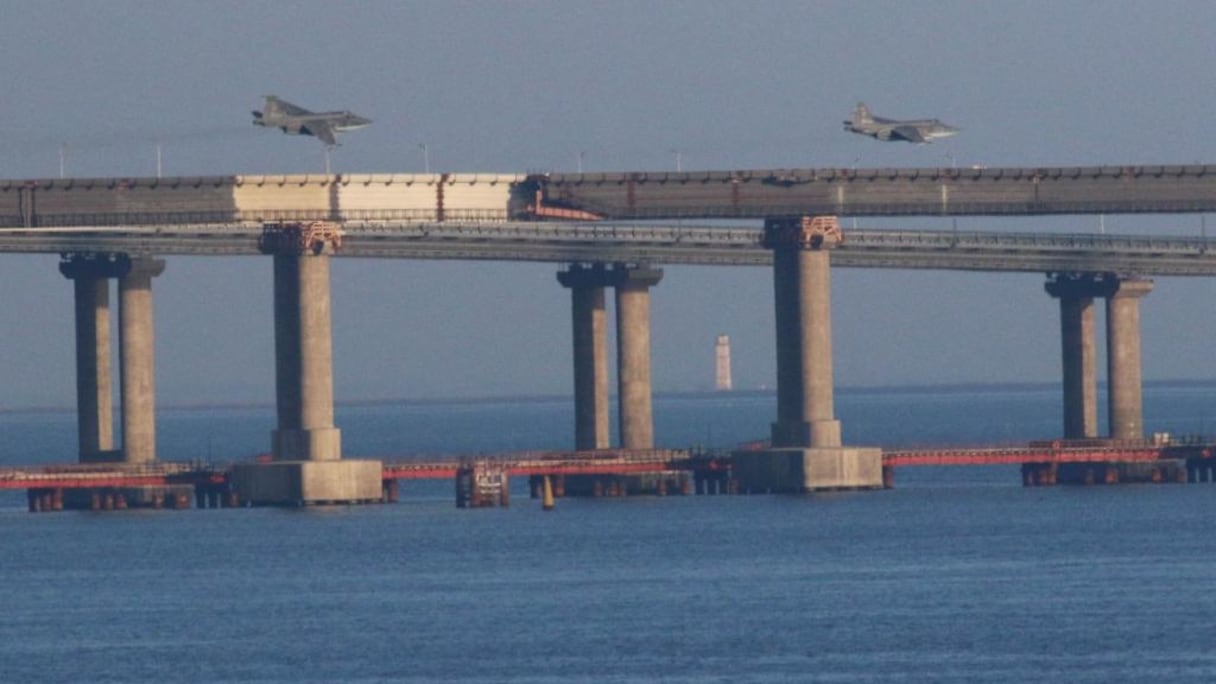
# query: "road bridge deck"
658 245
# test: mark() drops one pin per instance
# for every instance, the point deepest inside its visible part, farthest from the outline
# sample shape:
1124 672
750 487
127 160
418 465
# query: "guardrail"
101 474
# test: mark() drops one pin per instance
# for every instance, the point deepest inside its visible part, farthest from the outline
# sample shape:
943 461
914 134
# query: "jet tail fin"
861 115
273 106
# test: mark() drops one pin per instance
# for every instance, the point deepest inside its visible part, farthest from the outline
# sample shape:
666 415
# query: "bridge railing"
76 471
1052 241
599 232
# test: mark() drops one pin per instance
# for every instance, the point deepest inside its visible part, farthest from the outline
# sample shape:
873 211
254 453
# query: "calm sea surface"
958 575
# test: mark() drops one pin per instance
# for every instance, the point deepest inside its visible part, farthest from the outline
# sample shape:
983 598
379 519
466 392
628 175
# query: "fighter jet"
277 113
915 131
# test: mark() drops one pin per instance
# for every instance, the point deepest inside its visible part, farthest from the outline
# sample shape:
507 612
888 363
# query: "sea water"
957 575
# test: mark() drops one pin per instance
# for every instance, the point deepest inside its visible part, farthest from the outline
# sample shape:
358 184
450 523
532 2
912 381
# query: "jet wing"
321 129
909 133
288 108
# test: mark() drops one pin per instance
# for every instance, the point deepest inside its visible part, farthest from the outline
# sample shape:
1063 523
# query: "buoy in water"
547 504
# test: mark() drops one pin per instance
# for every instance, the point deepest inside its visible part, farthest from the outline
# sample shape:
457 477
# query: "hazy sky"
526 86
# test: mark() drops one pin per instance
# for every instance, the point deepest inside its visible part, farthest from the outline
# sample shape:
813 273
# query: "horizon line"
963 386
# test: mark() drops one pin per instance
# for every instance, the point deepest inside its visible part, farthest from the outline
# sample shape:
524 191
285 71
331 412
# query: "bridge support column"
1078 350
1125 400
304 386
805 398
590 354
807 452
633 354
307 448
137 359
91 276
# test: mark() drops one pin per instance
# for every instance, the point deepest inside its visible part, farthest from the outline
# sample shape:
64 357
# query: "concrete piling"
807 452
1125 401
633 355
307 466
391 491
304 360
1078 350
587 283
91 276
136 345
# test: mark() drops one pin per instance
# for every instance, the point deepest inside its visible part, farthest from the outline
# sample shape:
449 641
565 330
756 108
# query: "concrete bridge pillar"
1078 350
802 295
587 285
307 466
90 275
1125 400
136 356
806 453
303 340
634 389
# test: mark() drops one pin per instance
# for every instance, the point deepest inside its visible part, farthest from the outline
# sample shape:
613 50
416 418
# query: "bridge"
117 228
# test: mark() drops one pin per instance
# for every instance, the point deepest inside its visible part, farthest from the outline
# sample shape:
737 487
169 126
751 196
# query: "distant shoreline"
948 388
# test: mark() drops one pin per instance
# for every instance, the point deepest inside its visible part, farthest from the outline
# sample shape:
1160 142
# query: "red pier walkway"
1079 461
603 462
1043 463
98 475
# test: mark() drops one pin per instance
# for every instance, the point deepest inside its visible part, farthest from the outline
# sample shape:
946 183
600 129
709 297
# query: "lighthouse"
722 364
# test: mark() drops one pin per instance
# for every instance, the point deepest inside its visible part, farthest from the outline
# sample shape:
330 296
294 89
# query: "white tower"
722 367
